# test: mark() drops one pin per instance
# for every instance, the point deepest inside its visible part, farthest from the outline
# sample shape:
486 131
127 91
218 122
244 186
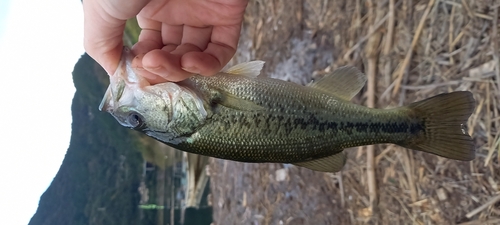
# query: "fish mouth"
117 82
106 102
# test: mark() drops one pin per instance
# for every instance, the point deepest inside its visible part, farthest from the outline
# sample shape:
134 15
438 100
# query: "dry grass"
410 50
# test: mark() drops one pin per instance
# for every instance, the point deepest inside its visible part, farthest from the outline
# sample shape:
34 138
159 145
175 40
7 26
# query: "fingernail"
192 70
153 68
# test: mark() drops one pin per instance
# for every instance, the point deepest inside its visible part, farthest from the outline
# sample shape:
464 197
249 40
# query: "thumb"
104 23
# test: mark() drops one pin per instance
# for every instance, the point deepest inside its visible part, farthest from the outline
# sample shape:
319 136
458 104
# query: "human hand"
178 38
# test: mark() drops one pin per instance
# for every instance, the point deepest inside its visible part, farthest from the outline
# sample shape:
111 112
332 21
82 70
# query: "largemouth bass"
239 116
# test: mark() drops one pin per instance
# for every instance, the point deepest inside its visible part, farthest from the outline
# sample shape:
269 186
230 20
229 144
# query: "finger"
148 40
226 36
123 10
201 63
102 36
198 36
185 48
156 75
104 23
139 69
171 34
150 36
219 51
156 71
148 24
164 64
140 49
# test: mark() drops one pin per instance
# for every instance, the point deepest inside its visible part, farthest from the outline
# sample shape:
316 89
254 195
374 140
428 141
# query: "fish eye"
136 121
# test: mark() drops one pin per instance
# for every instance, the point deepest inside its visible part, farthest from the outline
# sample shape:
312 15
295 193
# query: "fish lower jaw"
168 138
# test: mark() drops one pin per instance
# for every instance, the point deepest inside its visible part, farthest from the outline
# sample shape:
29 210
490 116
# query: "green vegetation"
98 179
132 32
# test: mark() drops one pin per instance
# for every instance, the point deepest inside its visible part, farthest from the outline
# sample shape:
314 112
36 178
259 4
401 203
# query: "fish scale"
239 116
278 135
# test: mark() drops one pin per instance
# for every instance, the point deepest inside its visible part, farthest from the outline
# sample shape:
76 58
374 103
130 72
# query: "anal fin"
333 163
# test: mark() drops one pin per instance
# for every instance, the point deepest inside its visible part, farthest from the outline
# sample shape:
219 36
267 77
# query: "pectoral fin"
333 163
344 83
234 102
250 69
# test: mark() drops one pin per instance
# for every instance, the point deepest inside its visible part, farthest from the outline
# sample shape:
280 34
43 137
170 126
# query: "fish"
242 116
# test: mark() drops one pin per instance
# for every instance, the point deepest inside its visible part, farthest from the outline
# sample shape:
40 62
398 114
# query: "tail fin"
445 119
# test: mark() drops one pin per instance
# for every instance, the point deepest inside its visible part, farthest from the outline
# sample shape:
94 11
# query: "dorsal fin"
250 69
333 163
344 82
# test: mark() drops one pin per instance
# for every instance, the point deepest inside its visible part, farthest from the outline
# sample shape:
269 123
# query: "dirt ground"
410 50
